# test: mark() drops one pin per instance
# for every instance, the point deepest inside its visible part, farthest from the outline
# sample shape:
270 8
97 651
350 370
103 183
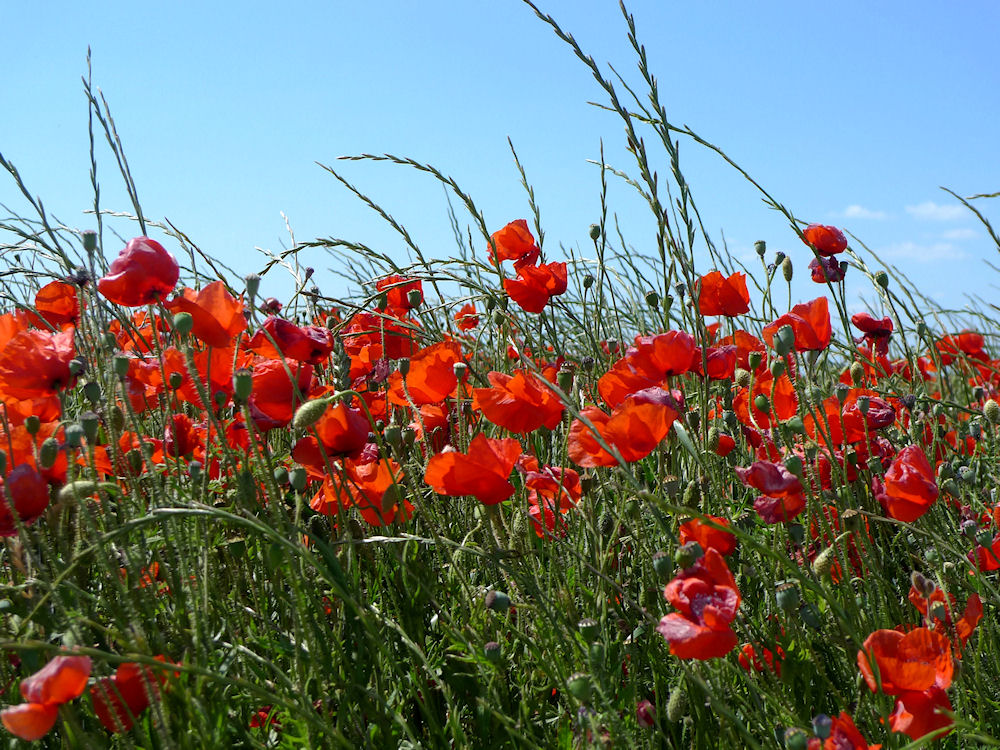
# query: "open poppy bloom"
60 681
718 295
635 428
827 269
662 355
28 491
281 338
141 274
342 431
909 488
708 535
119 700
876 332
397 293
827 240
466 318
57 305
217 315
520 402
765 660
968 343
368 484
35 364
430 378
913 661
275 395
706 598
810 323
514 242
536 285
920 713
483 472
844 735
783 496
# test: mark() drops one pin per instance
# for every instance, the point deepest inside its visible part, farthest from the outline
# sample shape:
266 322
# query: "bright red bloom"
635 428
919 713
57 305
827 269
781 394
60 681
141 274
718 295
28 491
275 396
827 240
366 484
783 496
278 337
520 402
843 736
342 431
706 598
968 343
120 699
466 318
708 535
766 660
431 376
662 355
514 242
397 290
35 364
720 362
217 315
482 472
909 487
536 285
914 661
746 343
876 332
810 322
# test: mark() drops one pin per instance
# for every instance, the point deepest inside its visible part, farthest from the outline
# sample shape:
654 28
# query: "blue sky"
852 116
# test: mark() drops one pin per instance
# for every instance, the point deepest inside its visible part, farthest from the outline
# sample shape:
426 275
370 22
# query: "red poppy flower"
280 338
746 343
720 362
520 402
783 496
621 381
118 700
57 305
536 285
217 315
635 428
876 332
482 472
431 376
29 493
765 661
662 355
60 681
968 343
827 269
365 483
397 293
514 242
844 735
781 394
706 598
718 295
369 337
35 364
810 323
141 274
919 713
342 431
275 396
709 535
826 240
914 661
466 318
909 488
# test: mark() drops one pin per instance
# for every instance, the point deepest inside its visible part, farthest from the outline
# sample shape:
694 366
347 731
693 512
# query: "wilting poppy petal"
909 485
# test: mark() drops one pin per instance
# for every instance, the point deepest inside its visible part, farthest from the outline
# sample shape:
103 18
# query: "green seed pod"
663 566
822 726
89 237
588 281
183 323
497 601
597 654
688 554
713 438
786 269
48 452
117 418
653 299
693 419
824 562
760 247
692 494
76 367
281 475
242 385
794 464
252 281
677 704
90 423
742 377
787 596
297 478
309 413
809 614
595 232
589 628
991 410
784 340
796 425
492 652
134 460
92 392
882 279
77 490
857 373
762 403
778 368
754 359
796 739
580 686
175 380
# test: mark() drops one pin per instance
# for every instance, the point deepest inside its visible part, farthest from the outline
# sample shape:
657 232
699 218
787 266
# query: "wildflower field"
505 498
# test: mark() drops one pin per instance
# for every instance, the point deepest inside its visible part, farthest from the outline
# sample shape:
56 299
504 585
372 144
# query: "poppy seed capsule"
589 629
580 686
662 566
760 247
784 340
595 232
194 470
742 377
778 368
92 391
89 237
120 364
32 425
48 452
297 478
762 403
754 359
497 601
796 739
787 597
76 490
882 279
588 281
653 299
252 282
90 423
688 554
183 323
822 726
492 652
991 410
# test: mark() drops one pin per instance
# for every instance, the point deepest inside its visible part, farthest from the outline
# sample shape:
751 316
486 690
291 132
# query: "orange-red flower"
365 483
706 599
810 323
536 285
919 713
709 535
514 242
342 431
913 661
57 305
35 364
635 428
483 472
60 681
783 497
827 240
28 491
217 315
119 700
466 318
276 395
876 332
844 735
718 295
278 337
397 293
909 488
520 402
142 273
431 376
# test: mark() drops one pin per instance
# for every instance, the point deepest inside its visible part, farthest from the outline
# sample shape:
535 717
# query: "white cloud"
935 251
854 211
960 234
935 212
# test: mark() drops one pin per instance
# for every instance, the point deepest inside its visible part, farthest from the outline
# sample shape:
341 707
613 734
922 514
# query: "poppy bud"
796 739
309 413
662 566
580 686
922 584
809 614
595 232
692 494
841 391
754 359
281 475
796 425
787 597
242 384
784 340
393 435
762 403
589 629
786 269
564 379
76 366
588 281
90 423
492 652
967 474
92 392
824 562
183 322
32 425
882 279
713 438
794 464
968 528
297 478
89 237
677 704
760 247
688 554
252 281
497 601
194 470
857 373
48 452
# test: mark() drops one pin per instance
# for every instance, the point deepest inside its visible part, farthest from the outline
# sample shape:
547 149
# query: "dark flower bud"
595 232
